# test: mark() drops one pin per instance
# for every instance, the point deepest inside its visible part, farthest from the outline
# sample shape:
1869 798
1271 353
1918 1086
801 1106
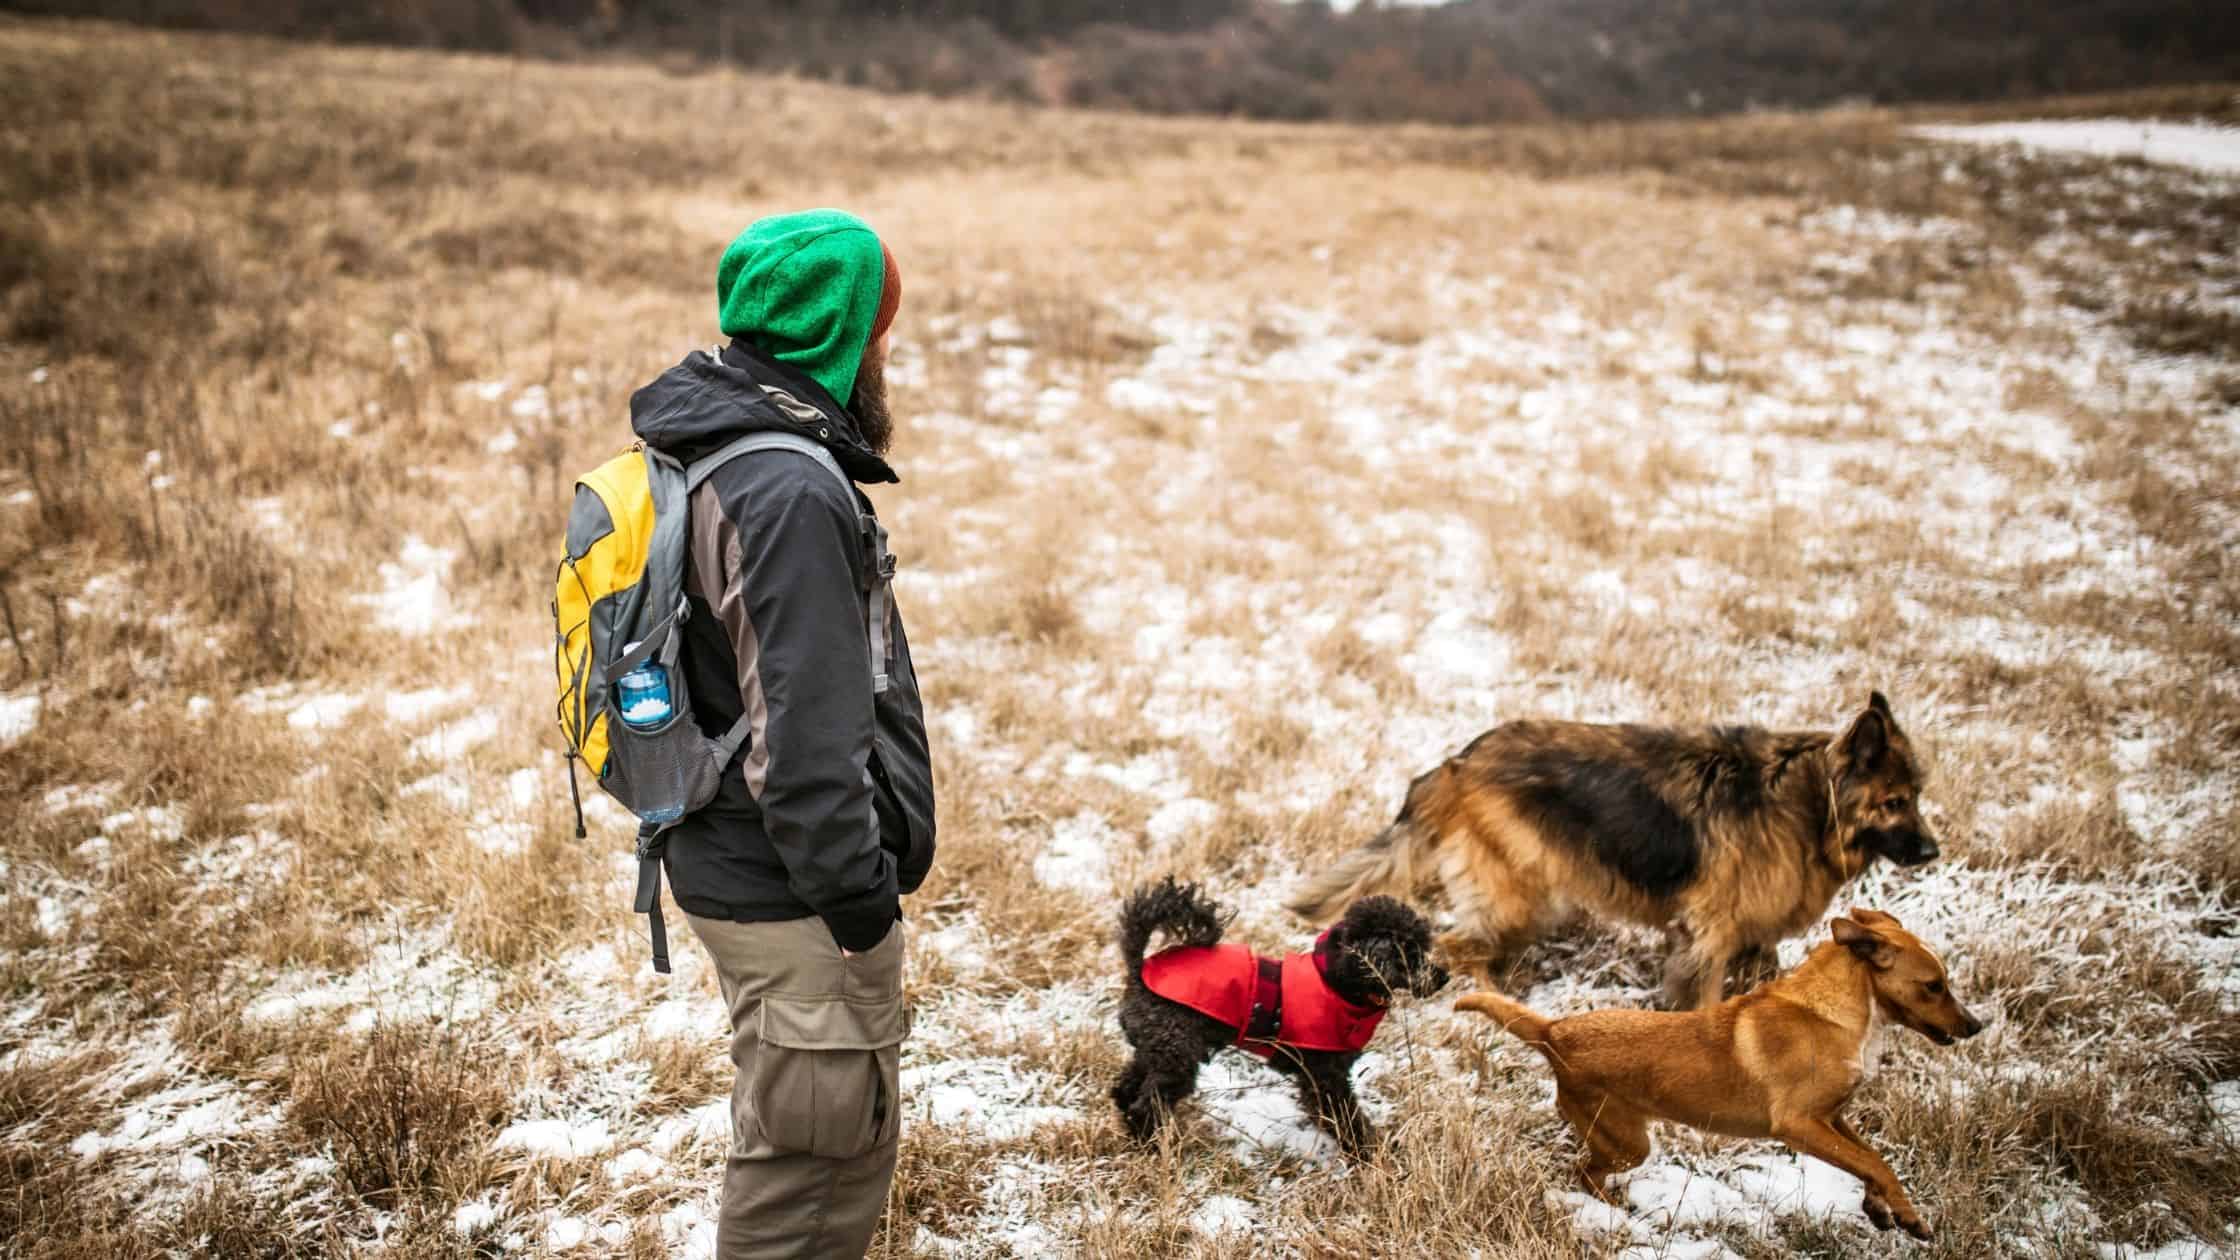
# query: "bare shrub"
404 1109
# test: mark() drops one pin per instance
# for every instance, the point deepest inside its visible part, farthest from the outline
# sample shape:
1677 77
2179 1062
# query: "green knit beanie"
805 290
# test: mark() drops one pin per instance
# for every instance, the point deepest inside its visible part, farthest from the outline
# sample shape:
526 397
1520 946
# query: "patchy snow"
506 838
706 1125
1178 819
2202 146
412 706
475 1215
323 712
170 1118
404 978
2181 1249
560 1139
165 1119
2224 1105
566 1233
19 713
79 796
993 1096
1223 1214
452 789
453 739
413 598
961 941
1257 1113
165 822
1077 855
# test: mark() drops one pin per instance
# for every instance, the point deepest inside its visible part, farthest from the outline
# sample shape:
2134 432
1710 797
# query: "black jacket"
828 809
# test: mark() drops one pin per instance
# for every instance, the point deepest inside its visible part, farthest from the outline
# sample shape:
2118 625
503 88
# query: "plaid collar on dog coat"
1270 1002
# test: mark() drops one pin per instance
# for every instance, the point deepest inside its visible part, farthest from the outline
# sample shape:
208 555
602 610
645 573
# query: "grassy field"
1247 471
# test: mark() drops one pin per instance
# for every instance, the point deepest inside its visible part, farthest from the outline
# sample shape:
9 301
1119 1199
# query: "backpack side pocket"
663 771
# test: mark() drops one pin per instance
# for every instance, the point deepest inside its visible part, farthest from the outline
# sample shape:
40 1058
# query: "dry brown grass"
1248 470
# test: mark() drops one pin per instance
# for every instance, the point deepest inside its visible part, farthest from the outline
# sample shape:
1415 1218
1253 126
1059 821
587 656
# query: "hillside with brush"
1463 62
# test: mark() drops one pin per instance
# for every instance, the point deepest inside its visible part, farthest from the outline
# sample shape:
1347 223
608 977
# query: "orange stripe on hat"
890 295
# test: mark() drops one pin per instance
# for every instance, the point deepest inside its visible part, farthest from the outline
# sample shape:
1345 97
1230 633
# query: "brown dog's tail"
1393 863
1514 1017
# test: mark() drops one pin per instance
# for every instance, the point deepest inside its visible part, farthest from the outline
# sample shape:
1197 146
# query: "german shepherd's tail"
1515 1017
1397 862
1181 911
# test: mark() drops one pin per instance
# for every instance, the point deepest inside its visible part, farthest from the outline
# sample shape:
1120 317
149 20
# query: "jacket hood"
804 289
709 399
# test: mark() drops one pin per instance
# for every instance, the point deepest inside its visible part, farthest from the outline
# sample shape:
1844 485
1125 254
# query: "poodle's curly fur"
1381 948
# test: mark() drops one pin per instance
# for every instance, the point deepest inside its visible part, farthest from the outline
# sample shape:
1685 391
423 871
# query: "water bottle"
643 693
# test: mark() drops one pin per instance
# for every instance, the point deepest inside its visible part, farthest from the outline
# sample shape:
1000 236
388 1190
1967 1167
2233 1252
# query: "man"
791 877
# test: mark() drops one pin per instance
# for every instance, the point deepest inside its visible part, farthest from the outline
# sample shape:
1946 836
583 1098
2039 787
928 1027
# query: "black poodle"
1308 1014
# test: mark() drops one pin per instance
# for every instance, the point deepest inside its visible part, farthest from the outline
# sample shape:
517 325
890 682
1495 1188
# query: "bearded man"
792 876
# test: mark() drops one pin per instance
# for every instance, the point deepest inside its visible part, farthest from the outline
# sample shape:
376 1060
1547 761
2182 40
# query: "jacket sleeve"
796 621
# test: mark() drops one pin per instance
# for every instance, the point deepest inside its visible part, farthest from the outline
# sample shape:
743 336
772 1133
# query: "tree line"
1466 61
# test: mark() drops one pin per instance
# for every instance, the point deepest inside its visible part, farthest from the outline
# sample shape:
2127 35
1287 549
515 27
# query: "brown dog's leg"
1821 1140
1692 981
1493 904
1696 977
1616 1137
1877 1211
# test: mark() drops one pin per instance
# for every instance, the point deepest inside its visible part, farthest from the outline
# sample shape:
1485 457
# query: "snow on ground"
2202 146
560 1138
170 1121
989 1095
451 740
1673 1203
413 597
407 977
19 713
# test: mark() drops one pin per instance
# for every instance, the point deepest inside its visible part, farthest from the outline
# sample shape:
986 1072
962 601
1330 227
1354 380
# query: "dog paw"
1878 1212
1914 1225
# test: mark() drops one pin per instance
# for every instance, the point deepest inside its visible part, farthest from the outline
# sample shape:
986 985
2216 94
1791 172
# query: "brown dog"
1780 1061
1731 838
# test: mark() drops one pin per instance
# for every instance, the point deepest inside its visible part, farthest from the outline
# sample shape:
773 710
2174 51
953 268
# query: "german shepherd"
1730 838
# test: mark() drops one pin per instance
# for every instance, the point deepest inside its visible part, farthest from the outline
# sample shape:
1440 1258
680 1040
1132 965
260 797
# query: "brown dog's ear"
1869 737
1875 916
1860 940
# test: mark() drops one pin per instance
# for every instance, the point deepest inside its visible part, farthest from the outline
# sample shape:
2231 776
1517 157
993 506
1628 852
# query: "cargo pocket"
825 1074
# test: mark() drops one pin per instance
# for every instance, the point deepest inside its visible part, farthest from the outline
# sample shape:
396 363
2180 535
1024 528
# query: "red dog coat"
1270 1003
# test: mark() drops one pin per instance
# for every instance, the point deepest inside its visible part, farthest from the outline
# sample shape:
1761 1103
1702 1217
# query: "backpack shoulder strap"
700 469
873 534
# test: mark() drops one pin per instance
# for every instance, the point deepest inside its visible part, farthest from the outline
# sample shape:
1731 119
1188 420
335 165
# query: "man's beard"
869 406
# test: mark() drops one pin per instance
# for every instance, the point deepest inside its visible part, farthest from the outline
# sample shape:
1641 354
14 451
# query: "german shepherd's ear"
1881 705
1871 949
1863 745
1875 917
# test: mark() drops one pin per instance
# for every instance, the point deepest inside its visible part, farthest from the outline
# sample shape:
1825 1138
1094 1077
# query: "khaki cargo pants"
815 1110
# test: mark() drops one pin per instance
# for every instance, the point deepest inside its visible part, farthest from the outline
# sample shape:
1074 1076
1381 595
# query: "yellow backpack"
618 612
